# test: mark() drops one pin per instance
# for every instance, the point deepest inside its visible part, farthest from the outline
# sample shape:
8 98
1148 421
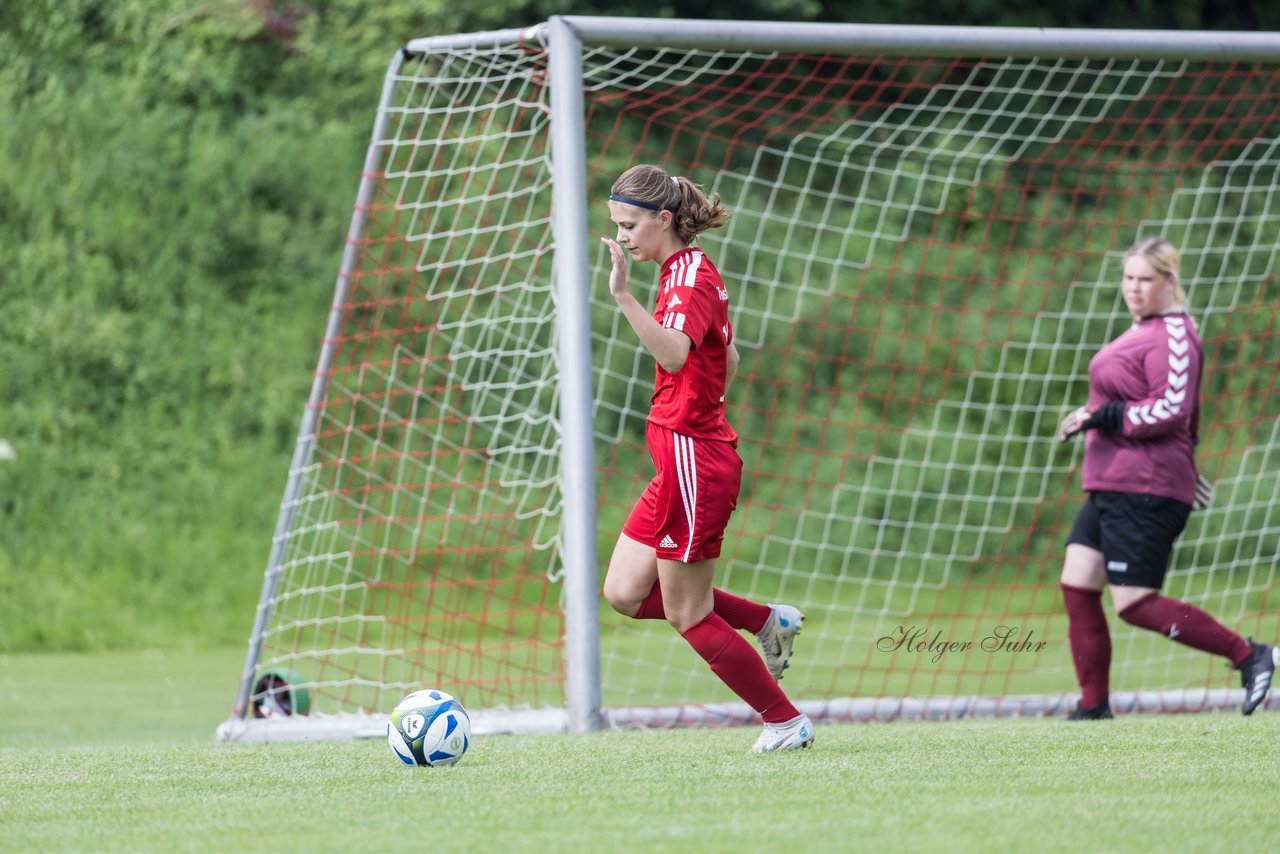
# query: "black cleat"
1255 674
1100 712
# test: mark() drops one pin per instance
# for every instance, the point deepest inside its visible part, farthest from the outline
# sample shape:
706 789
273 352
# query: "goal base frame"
843 710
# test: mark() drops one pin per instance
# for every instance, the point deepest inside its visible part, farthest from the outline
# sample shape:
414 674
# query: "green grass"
115 752
112 699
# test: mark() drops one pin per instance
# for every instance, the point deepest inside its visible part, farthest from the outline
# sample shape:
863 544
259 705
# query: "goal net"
924 254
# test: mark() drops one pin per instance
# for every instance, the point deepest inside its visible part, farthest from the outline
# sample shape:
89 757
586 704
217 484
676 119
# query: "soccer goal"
924 254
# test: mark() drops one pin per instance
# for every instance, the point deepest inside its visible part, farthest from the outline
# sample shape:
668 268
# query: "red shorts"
686 507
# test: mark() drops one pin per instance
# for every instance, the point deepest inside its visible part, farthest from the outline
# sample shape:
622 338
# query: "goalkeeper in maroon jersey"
1140 428
665 557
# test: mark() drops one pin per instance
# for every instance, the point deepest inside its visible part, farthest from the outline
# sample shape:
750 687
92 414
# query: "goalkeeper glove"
1204 492
1109 417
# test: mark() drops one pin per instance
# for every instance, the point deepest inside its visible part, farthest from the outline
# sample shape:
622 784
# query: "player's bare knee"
1083 568
680 625
621 598
684 618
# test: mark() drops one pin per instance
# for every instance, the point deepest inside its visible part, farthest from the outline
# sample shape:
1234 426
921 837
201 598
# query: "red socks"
737 612
651 607
731 657
740 667
1187 625
1090 643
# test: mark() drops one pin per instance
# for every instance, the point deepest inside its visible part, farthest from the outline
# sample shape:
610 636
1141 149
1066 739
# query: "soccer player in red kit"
1142 419
665 558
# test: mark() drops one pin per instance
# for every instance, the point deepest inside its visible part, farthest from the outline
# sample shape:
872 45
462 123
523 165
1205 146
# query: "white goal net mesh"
923 256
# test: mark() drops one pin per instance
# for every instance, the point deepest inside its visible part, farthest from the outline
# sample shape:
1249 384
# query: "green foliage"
1246 15
168 265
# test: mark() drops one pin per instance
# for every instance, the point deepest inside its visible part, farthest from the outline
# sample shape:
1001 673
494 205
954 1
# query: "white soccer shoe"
777 635
795 734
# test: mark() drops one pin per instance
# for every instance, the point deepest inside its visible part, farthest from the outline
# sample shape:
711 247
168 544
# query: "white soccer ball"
429 728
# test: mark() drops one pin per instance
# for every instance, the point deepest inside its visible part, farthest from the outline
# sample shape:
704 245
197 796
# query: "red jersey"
692 299
1154 367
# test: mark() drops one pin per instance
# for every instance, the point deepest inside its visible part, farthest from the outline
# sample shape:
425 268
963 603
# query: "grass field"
115 752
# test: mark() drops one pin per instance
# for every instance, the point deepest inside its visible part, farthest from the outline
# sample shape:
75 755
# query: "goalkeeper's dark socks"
737 612
740 667
1090 643
1187 625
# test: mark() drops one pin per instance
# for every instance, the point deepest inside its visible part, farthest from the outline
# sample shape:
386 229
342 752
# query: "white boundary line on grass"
847 710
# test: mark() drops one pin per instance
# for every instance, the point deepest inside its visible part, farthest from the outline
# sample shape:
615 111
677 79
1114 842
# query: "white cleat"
777 635
795 734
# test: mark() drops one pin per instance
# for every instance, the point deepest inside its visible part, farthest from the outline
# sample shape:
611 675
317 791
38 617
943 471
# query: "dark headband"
627 200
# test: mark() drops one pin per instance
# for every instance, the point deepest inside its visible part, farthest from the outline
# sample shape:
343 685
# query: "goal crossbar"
879 39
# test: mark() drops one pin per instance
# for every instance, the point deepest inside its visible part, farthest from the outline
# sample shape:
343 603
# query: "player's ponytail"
692 211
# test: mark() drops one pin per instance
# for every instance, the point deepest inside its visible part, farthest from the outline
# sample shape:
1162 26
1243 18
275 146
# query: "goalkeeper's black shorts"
1134 532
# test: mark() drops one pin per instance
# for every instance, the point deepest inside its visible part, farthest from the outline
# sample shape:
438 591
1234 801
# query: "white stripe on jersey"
690 274
687 475
1175 395
684 271
673 274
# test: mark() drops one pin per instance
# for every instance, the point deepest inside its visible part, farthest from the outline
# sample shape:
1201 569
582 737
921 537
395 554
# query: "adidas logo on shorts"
668 543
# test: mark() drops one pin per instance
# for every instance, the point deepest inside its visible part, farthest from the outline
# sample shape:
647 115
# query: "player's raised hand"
1073 423
618 275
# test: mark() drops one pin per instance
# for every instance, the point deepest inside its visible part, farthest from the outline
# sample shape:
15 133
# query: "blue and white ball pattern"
429 728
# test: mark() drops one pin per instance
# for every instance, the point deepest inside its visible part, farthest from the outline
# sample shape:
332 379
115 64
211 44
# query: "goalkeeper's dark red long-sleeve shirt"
1154 368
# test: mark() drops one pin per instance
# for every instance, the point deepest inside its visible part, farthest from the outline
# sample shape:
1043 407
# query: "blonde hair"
1163 258
692 211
